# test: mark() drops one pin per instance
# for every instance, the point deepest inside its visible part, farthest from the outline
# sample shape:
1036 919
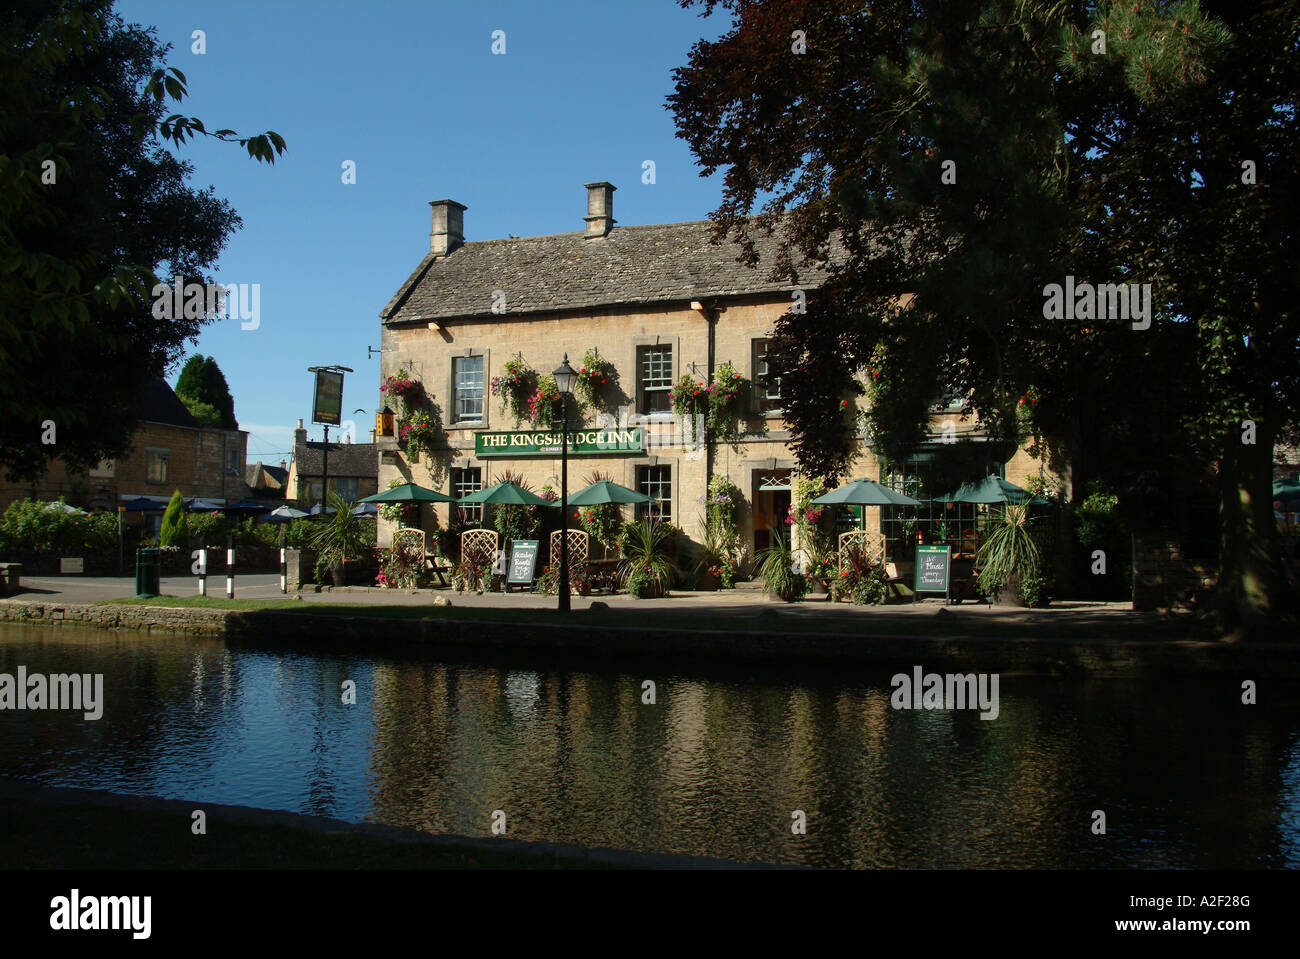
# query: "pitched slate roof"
566 271
346 459
160 404
253 472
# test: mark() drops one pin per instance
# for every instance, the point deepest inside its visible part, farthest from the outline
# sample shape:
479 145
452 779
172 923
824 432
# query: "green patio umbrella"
408 493
606 491
992 489
864 492
506 494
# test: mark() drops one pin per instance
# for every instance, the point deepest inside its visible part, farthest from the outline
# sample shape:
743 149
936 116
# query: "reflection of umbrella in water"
506 494
992 489
864 492
408 493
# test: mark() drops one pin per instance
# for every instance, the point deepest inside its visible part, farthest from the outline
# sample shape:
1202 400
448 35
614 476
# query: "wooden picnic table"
438 564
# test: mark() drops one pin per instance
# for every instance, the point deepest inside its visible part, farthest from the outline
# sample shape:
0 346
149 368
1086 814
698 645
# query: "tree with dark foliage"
93 208
961 156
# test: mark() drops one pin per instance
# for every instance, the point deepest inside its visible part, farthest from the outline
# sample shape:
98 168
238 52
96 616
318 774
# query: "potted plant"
338 541
716 566
776 566
1008 555
646 570
860 581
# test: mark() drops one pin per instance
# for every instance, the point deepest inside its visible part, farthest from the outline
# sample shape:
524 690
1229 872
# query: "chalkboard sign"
932 569
523 561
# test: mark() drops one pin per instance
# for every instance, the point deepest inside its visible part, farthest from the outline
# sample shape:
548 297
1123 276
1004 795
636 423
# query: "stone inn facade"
656 302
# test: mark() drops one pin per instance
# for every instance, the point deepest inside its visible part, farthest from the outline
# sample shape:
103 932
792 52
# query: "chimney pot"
600 209
448 226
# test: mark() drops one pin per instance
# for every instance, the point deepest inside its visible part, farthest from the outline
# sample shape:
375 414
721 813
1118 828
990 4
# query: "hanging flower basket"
418 432
408 391
727 395
597 381
690 399
516 388
545 407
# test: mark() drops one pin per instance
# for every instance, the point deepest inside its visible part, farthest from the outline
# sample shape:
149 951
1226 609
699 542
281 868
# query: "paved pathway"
747 600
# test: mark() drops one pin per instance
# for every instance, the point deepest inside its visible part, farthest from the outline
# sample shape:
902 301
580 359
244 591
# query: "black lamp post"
564 379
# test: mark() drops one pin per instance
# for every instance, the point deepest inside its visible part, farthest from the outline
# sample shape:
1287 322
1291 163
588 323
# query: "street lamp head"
565 377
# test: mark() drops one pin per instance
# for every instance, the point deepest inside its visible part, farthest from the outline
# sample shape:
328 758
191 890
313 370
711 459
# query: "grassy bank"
36 835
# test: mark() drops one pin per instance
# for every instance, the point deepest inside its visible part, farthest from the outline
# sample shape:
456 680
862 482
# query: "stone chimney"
284 465
600 209
300 434
448 226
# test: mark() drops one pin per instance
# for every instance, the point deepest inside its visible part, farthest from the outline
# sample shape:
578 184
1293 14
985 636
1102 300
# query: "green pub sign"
595 442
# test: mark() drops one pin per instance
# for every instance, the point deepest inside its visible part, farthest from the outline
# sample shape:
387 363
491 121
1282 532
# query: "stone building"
267 482
658 302
353 469
171 451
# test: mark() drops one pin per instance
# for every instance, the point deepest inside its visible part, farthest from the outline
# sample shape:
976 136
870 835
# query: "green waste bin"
146 571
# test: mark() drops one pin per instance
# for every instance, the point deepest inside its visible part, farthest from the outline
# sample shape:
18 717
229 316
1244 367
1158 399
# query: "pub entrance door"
771 506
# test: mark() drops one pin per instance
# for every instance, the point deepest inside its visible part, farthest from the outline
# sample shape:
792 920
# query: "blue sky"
414 95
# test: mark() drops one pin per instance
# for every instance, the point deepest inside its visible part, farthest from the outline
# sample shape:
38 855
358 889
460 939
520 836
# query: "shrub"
208 529
549 582
175 529
339 540
473 571
718 555
646 570
776 566
401 565
860 581
513 521
1010 551
604 522
33 524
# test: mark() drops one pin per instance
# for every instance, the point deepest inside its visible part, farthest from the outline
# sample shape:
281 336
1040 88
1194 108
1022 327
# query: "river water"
1186 775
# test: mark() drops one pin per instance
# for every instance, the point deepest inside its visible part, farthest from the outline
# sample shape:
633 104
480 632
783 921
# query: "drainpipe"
710 314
